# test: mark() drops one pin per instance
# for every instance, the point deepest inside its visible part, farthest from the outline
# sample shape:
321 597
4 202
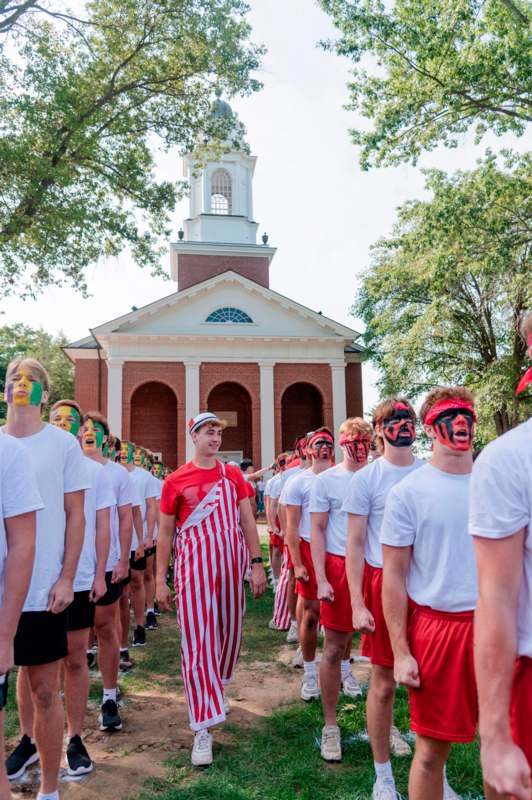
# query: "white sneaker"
331 745
202 749
385 790
309 688
292 636
350 686
227 705
272 625
448 791
297 661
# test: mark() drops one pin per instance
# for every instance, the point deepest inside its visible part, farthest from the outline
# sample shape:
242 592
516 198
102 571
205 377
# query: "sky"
318 207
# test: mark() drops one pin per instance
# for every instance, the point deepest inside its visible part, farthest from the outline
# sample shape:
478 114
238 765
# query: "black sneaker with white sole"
125 662
110 718
151 621
24 754
139 636
79 761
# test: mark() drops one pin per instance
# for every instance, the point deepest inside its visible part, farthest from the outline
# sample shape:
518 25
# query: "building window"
229 315
221 192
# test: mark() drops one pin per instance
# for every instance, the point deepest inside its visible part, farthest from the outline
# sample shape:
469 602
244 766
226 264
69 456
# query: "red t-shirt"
250 488
185 488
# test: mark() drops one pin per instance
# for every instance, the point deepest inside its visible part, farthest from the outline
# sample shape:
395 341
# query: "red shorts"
521 706
376 645
307 589
276 541
445 706
337 615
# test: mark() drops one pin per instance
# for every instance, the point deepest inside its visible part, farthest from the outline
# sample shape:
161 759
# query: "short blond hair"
386 409
355 426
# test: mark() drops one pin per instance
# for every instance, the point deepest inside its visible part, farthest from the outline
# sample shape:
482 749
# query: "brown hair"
525 326
445 393
34 366
386 408
95 416
355 425
70 404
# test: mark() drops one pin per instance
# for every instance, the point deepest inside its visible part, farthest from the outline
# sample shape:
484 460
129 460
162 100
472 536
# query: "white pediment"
185 314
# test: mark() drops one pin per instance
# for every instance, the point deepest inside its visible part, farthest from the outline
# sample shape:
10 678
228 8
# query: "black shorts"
150 551
3 692
80 612
114 590
41 638
139 563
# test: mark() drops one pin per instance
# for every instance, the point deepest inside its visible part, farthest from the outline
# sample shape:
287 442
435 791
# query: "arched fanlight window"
228 314
221 192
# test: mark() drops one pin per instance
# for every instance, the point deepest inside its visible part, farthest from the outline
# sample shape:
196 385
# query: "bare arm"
357 525
103 544
272 513
395 606
20 536
61 593
293 519
152 507
500 568
281 513
139 530
249 529
164 548
318 528
125 535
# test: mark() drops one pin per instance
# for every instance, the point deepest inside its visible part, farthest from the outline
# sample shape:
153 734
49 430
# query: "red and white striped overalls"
281 614
210 562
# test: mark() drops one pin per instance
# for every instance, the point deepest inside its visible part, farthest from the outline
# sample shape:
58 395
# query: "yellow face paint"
93 435
66 418
23 390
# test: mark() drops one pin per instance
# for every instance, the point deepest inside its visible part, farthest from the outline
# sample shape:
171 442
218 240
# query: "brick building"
224 341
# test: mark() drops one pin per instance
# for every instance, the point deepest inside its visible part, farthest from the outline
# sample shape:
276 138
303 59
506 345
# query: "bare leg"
124 616
106 625
426 773
76 680
138 595
49 721
24 703
5 791
309 616
379 711
291 595
149 583
276 562
330 672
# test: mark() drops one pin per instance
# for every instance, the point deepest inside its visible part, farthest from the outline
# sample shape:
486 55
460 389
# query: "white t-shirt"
429 510
271 487
501 504
366 496
18 491
328 494
59 466
277 488
157 488
297 493
99 495
144 485
124 495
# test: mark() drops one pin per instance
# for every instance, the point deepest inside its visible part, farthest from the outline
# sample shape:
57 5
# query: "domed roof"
220 108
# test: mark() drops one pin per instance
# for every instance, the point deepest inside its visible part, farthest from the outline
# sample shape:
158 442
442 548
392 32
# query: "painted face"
399 430
357 447
92 436
126 452
23 389
301 447
454 428
322 447
157 470
66 418
139 457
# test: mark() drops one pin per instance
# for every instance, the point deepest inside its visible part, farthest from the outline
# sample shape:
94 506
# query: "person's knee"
430 757
76 662
106 629
311 618
45 696
334 651
382 685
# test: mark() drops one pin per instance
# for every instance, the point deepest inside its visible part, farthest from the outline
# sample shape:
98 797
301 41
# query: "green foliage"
85 108
444 293
435 69
20 340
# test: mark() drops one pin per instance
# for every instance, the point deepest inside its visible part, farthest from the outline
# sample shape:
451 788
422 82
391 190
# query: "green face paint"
93 435
67 418
22 390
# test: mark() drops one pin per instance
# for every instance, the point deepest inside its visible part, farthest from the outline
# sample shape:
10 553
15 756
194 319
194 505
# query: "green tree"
436 69
83 112
444 294
21 340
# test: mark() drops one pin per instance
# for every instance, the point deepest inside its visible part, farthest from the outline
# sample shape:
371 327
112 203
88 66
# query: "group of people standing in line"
431 561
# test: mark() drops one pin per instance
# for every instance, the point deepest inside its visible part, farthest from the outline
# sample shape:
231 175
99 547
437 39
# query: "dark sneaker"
139 636
125 662
78 760
110 718
24 754
151 621
91 659
156 609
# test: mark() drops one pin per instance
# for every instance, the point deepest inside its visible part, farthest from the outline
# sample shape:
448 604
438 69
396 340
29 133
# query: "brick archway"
301 411
153 420
232 401
286 375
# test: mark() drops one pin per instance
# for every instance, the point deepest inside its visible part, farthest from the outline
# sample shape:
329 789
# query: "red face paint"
357 447
454 429
321 446
448 405
399 430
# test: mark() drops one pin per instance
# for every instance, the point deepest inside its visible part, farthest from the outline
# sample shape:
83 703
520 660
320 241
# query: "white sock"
48 795
109 694
346 668
309 668
384 772
150 611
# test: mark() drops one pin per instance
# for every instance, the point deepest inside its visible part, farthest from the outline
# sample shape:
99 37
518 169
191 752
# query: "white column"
192 399
267 413
114 395
338 401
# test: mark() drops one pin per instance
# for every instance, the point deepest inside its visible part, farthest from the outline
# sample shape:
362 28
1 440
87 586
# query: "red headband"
320 436
346 439
401 407
447 405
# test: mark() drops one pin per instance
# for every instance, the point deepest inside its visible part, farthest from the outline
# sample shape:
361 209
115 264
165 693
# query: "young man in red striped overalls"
205 510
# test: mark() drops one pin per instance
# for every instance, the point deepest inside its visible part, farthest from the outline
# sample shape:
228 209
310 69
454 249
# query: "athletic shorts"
3 691
376 646
521 706
139 563
276 541
307 589
445 706
114 590
337 615
41 638
150 551
80 613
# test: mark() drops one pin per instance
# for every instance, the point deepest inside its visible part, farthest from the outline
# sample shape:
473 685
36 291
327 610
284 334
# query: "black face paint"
322 449
454 428
399 430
